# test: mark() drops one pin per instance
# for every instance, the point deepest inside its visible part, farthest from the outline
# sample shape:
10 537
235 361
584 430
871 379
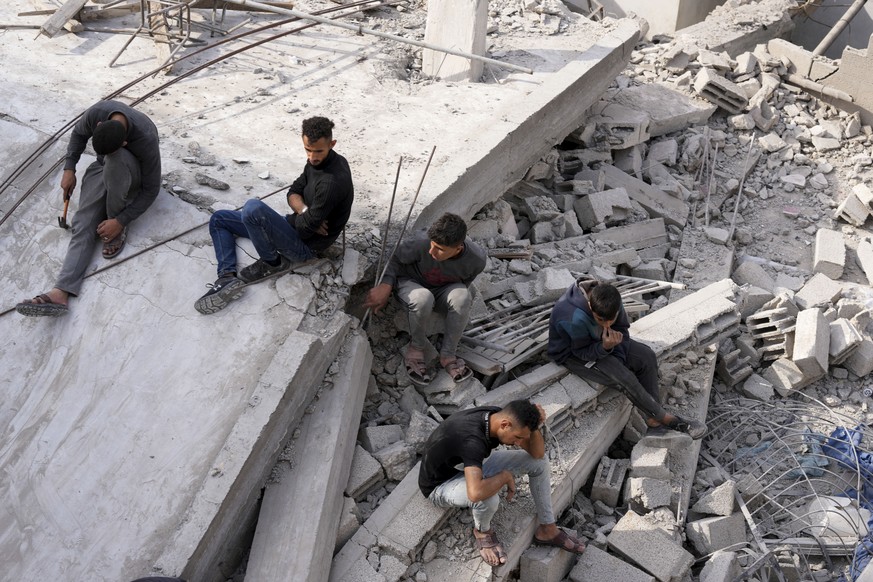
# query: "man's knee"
253 209
538 467
219 216
421 300
459 300
488 505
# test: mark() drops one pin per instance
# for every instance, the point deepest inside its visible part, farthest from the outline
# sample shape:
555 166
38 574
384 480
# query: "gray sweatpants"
454 301
98 200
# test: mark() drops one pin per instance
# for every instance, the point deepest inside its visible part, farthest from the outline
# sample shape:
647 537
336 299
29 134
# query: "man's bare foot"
551 535
489 547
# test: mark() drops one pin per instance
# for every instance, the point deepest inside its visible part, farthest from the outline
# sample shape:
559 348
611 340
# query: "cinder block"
652 550
548 286
649 493
860 362
650 270
620 126
750 273
757 388
785 376
548 564
829 257
812 339
719 501
716 89
373 438
722 566
365 473
629 160
663 152
608 207
855 209
608 480
753 299
732 368
845 338
595 565
650 462
819 291
716 533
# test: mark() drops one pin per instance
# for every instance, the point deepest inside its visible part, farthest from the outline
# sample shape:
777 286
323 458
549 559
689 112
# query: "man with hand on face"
116 189
321 199
589 335
433 271
467 438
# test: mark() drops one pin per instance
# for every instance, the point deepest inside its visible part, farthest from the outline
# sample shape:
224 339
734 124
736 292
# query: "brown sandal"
457 370
563 541
488 542
416 368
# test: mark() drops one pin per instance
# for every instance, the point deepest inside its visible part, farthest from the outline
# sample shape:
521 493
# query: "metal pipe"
361 30
828 40
809 85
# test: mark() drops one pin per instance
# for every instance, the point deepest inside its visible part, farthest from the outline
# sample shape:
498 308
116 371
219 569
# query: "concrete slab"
668 109
595 565
460 26
312 490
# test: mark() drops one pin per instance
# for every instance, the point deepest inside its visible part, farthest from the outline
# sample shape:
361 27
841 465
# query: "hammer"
62 220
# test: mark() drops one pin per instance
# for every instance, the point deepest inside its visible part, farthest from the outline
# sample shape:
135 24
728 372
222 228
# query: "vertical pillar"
460 25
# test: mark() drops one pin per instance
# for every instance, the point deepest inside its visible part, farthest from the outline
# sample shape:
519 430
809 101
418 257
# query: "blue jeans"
453 493
271 234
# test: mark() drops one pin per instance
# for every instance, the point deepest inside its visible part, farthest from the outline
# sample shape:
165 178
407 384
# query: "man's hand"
510 485
611 338
542 415
109 229
378 297
68 183
322 228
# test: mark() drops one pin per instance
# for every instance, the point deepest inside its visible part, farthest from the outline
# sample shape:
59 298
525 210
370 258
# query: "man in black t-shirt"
466 439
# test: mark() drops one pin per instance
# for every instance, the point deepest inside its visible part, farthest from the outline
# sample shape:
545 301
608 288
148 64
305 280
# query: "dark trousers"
637 378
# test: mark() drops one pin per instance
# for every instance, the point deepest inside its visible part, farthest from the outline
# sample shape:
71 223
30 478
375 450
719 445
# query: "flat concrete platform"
137 432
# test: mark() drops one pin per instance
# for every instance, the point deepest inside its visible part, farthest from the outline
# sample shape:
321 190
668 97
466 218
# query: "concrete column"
460 25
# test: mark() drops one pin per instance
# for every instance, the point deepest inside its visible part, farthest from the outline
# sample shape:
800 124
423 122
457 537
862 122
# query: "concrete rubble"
724 199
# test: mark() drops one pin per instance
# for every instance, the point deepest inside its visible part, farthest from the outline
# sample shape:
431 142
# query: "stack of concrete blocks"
608 480
855 209
616 127
448 396
649 548
829 257
720 91
603 208
700 318
547 287
772 328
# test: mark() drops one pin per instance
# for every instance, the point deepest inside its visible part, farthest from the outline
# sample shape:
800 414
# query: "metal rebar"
388 220
740 187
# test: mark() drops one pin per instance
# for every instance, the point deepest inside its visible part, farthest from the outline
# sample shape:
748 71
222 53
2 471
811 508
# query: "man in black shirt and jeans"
467 438
321 199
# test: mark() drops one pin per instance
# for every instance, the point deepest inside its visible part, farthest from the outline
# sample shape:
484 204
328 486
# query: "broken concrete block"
540 208
608 480
829 257
619 127
365 473
595 565
772 142
751 273
664 152
819 291
650 270
350 520
548 564
717 235
652 550
742 121
582 395
716 533
419 429
719 501
570 224
716 89
649 493
865 259
354 267
825 144
629 160
373 438
757 388
668 109
411 401
548 287
542 232
860 362
812 339
785 376
608 207
845 338
722 566
650 462
753 299
732 368
855 209
397 459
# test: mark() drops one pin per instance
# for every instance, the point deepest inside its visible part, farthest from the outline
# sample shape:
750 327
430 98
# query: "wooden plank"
56 21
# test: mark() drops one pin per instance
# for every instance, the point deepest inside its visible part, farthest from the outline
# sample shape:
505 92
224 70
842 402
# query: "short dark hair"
316 128
448 230
604 300
524 412
108 137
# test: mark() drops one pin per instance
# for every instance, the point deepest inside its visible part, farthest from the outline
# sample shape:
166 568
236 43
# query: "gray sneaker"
226 288
261 269
693 428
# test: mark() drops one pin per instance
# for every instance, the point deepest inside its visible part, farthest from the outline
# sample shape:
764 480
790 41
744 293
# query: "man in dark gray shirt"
433 271
116 189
